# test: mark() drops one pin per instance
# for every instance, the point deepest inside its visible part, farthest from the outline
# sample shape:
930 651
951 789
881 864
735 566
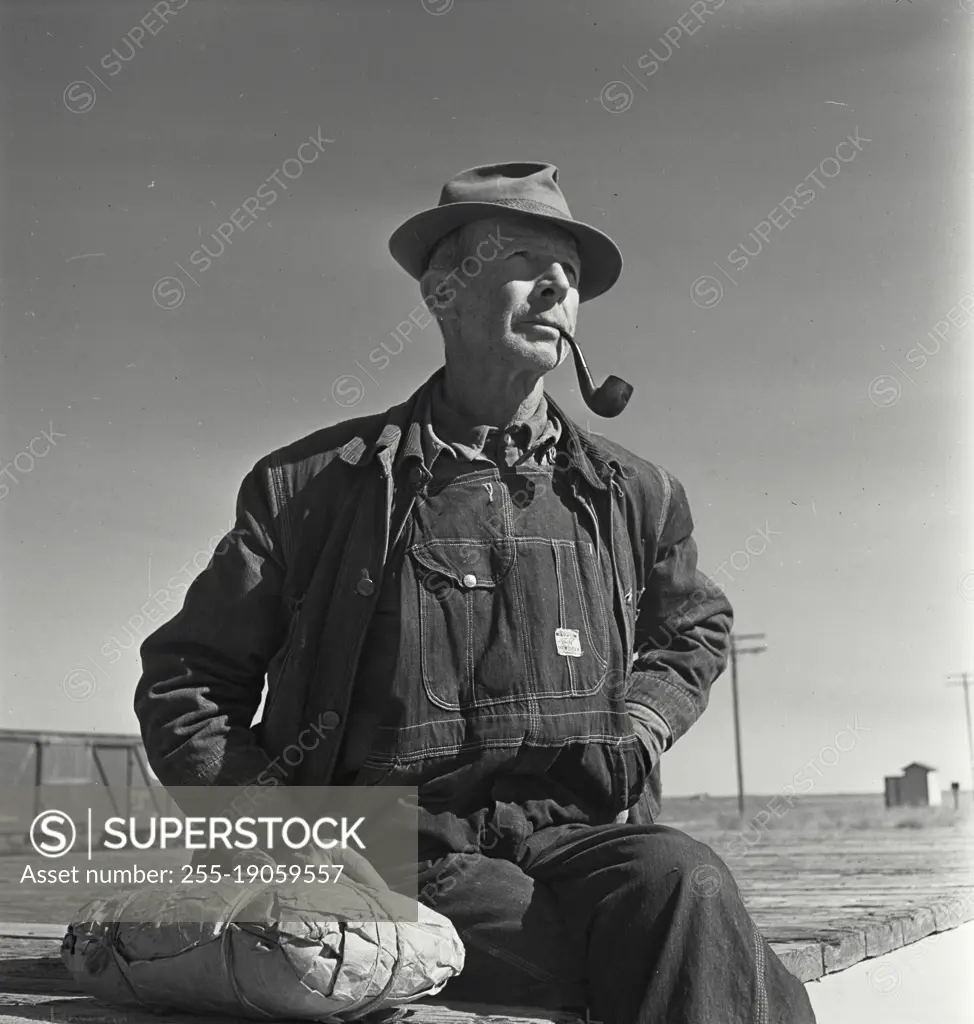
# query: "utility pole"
961 679
736 638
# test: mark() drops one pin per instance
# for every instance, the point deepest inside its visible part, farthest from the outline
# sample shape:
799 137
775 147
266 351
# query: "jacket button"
365 586
330 719
470 580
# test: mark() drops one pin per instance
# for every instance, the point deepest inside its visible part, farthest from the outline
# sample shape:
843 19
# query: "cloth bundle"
264 953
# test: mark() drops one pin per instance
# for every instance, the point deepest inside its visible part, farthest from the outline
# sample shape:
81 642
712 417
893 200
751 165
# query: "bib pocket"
470 622
503 621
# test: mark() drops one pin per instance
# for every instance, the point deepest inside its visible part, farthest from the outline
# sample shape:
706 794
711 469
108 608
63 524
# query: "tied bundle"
262 953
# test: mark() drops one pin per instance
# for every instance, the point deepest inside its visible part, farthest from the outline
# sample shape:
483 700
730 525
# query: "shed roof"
916 764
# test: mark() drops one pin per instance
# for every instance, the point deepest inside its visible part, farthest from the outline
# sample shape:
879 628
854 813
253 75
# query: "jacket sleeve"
682 636
203 671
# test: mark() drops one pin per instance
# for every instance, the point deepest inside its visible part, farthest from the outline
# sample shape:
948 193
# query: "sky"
825 455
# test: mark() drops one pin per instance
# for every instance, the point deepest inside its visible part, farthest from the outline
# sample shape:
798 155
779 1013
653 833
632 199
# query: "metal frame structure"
94 744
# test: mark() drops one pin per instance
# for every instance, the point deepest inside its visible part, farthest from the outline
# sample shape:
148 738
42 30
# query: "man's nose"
553 285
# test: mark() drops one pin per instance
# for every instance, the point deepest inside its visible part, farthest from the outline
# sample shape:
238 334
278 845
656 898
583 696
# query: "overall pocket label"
568 642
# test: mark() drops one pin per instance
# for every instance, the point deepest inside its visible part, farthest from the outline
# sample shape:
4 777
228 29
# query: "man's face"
502 313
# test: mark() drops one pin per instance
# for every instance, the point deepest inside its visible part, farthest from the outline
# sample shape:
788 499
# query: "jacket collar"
401 420
596 465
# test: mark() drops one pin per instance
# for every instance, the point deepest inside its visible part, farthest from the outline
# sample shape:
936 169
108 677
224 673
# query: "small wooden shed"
918 786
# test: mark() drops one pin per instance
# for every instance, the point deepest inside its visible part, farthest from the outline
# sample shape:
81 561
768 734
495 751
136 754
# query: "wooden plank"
846 949
15 930
29 966
803 959
52 1010
914 893
17 948
857 938
41 972
917 923
37 972
33 966
37 979
22 1009
841 948
436 1011
952 913
882 935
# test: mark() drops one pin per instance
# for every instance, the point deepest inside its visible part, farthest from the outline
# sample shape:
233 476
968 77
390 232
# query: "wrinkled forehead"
514 232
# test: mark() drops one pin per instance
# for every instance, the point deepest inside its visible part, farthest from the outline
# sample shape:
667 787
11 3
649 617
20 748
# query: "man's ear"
439 293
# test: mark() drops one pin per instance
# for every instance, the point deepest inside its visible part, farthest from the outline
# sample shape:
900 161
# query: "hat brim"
412 242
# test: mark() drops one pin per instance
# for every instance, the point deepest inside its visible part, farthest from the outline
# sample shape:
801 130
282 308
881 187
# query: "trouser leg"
519 951
667 935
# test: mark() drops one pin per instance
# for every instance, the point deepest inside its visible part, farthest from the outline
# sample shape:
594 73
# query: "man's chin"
542 353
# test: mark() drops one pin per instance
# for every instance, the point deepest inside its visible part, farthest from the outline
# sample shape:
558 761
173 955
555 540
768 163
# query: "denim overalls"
506 692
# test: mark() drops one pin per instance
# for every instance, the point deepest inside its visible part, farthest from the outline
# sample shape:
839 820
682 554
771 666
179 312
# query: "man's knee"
682 861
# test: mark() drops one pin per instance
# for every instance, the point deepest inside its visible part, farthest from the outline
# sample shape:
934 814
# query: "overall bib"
507 701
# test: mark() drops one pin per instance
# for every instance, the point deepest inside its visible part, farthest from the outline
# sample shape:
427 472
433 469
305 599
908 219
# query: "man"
470 594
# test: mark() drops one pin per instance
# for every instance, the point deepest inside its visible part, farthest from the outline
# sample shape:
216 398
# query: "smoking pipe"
610 397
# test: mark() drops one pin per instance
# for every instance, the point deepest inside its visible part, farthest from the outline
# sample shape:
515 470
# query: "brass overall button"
470 580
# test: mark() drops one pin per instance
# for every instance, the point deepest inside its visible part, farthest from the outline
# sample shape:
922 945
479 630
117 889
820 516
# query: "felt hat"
530 190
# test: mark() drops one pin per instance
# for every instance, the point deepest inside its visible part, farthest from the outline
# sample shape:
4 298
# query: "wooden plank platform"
857 894
824 900
77 1010
35 986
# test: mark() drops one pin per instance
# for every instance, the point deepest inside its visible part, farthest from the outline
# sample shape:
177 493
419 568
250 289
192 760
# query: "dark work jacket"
289 593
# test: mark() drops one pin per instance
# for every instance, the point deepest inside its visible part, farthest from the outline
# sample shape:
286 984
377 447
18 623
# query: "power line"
961 679
735 650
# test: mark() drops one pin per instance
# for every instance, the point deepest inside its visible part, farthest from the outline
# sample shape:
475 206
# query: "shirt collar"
445 431
400 441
